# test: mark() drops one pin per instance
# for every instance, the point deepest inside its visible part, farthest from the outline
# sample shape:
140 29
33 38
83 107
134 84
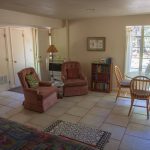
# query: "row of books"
100 86
100 69
101 77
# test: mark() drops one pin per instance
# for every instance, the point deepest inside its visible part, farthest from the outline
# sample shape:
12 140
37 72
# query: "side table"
59 85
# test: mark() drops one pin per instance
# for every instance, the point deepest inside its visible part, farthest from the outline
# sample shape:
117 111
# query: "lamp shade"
52 49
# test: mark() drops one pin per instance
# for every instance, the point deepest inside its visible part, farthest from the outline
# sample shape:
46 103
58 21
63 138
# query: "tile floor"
95 109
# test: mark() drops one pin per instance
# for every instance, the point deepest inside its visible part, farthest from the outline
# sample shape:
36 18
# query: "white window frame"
128 52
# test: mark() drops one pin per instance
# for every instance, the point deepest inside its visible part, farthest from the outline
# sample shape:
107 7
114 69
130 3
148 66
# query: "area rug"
80 132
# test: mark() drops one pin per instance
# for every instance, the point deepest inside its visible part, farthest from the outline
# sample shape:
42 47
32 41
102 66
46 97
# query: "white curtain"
128 50
36 50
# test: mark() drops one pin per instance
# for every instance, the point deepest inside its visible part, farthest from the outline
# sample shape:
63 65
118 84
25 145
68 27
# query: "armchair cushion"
73 73
44 92
75 82
32 81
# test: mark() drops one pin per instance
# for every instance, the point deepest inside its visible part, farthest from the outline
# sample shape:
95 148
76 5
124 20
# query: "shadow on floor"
16 89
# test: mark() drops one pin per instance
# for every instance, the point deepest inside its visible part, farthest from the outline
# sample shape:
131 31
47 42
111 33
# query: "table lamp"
51 50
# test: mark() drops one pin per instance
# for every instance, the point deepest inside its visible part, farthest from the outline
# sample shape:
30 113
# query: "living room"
95 109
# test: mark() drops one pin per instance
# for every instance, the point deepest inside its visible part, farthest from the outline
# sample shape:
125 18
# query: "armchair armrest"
82 76
45 83
63 78
31 94
31 90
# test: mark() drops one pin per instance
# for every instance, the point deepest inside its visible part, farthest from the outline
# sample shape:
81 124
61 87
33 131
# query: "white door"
43 40
3 61
18 51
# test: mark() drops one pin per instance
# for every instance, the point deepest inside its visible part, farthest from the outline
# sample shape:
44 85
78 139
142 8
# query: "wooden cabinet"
101 77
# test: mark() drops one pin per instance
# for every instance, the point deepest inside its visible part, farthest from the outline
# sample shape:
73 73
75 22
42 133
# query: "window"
138 50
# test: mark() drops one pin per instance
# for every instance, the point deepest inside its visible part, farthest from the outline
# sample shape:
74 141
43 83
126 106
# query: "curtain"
36 50
128 50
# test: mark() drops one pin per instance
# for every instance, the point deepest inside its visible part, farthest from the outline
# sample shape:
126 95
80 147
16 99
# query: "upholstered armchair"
38 98
75 83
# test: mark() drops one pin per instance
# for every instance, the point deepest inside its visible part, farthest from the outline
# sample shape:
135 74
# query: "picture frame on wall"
96 43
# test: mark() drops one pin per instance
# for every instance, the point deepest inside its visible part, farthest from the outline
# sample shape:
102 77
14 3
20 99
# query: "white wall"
59 39
113 28
22 19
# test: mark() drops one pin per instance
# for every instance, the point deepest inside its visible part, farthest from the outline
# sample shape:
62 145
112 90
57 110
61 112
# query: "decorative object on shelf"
96 43
51 50
105 60
101 76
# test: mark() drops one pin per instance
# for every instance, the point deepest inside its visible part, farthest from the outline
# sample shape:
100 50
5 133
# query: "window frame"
128 55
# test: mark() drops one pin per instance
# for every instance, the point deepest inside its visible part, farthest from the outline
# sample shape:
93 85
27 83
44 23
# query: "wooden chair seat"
125 83
141 94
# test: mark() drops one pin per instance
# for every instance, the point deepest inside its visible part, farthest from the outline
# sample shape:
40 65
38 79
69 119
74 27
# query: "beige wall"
113 28
22 19
59 39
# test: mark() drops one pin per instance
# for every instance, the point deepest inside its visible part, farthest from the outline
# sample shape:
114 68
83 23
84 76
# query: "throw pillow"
73 73
32 81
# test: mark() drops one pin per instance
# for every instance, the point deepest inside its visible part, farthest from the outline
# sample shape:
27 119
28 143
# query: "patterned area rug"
80 132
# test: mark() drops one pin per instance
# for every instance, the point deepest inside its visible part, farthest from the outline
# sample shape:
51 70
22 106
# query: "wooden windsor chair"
121 82
140 89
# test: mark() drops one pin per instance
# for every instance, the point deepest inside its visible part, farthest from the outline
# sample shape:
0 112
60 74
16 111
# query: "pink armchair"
40 98
75 83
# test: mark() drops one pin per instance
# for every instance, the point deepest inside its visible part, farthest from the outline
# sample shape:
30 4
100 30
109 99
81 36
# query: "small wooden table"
59 85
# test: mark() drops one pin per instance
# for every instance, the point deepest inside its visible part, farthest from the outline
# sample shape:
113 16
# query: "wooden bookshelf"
101 77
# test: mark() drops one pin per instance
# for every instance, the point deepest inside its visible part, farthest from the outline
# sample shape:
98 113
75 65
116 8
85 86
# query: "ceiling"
75 9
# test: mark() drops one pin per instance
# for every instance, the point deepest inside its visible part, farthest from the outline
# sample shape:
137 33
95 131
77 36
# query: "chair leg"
147 106
118 93
132 102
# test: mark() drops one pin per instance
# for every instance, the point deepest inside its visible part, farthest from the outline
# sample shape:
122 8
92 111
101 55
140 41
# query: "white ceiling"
75 9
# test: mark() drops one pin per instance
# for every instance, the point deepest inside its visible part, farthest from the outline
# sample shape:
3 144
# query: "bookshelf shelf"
101 77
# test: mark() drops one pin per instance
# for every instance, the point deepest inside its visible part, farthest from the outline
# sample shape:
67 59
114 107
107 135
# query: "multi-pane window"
138 50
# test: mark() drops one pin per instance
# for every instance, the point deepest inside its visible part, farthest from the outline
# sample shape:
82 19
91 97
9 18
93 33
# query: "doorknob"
15 61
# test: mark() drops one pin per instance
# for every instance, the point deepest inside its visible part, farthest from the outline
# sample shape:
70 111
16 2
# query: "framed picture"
96 43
